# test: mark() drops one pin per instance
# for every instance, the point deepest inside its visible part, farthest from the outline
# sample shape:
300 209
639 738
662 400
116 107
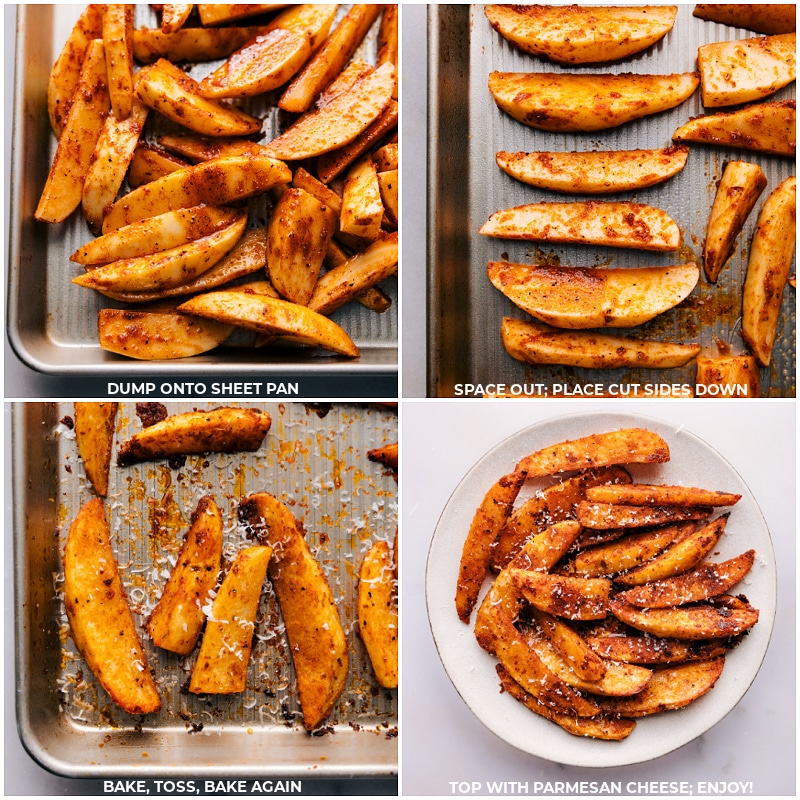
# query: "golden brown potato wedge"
150 162
582 35
669 688
388 39
605 516
174 15
221 666
99 617
387 158
727 376
377 613
190 44
118 45
564 595
768 267
535 343
653 650
221 430
94 434
489 519
769 127
640 494
362 206
202 148
177 620
64 187
581 297
739 188
272 316
316 638
388 455
564 102
702 583
759 17
222 13
570 645
595 172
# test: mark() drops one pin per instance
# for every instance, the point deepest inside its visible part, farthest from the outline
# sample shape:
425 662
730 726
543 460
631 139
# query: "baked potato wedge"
735 376
582 34
580 297
610 516
746 70
595 222
377 613
594 172
769 127
739 188
177 620
387 455
566 102
174 15
221 666
316 639
564 595
223 13
759 17
94 434
652 650
641 494
768 267
221 430
118 45
570 645
100 619
535 343
190 44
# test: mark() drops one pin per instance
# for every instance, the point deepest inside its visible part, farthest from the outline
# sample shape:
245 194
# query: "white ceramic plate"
472 670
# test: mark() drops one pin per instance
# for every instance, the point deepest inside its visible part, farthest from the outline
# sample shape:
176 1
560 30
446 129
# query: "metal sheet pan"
466 129
52 323
318 466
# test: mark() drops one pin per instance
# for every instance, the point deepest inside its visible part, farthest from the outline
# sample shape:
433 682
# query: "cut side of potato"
94 434
578 297
566 102
759 17
150 162
362 207
534 343
174 15
582 35
190 44
594 172
730 376
769 127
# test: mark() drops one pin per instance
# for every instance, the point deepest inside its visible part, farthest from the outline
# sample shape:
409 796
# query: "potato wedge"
339 122
388 455
570 645
535 343
682 556
64 186
222 13
746 70
596 172
605 223
669 688
202 148
605 516
221 666
66 71
174 15
728 376
214 182
94 435
150 162
377 613
768 267
702 583
389 187
177 620
739 188
298 235
598 727
100 620
702 621
388 39
651 650
316 638
769 127
582 35
268 315
640 494
564 595
387 158
759 17
362 206
565 102
190 44
118 44
329 59
476 555
221 430
579 297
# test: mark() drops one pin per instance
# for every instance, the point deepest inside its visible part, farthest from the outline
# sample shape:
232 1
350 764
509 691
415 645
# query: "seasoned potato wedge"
535 343
94 434
628 446
221 430
118 44
222 13
64 187
221 666
387 455
570 645
605 223
388 39
759 17
594 172
566 102
731 376
177 620
578 297
386 158
362 206
564 595
202 148
268 315
99 617
377 613
769 127
316 638
739 188
768 267
610 516
582 35
190 44
669 688
654 650
150 162
174 15
640 494
490 517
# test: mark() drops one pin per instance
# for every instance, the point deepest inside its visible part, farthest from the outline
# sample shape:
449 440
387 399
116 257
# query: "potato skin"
94 432
759 17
